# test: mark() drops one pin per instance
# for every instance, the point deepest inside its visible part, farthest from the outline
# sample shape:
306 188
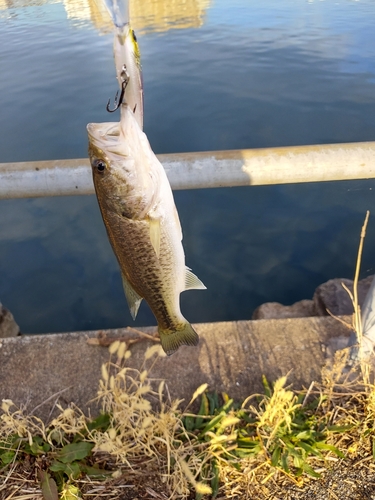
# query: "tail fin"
171 341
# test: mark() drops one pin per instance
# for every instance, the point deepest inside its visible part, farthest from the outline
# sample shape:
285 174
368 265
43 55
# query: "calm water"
217 75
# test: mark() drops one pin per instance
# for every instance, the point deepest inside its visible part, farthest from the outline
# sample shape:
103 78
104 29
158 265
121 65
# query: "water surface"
217 75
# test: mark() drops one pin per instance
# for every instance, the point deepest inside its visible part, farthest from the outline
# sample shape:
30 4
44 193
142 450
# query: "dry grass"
270 441
136 441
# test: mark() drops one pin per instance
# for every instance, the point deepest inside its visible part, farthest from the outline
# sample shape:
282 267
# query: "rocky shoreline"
8 326
330 296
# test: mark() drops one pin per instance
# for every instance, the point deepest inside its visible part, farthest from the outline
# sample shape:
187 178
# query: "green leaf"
300 398
37 447
227 406
310 471
56 436
284 462
243 415
57 466
102 422
189 423
59 479
214 402
205 407
72 470
340 428
247 452
48 486
305 435
247 443
313 405
324 446
298 472
7 457
266 386
298 459
213 423
309 449
276 456
215 479
203 410
74 451
95 472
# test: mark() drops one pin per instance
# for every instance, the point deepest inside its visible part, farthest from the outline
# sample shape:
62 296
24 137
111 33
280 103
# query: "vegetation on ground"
224 449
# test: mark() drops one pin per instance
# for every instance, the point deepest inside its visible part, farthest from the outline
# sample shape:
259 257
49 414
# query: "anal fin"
192 282
133 299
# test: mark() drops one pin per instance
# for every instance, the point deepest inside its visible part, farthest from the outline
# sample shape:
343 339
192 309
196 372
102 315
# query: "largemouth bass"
142 223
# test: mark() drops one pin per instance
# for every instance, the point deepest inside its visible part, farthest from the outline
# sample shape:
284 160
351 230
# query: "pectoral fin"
155 235
133 299
192 282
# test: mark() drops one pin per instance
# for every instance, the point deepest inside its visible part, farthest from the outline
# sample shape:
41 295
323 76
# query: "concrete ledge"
231 357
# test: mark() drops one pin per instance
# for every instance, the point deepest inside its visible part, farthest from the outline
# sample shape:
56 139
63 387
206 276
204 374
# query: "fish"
143 226
127 54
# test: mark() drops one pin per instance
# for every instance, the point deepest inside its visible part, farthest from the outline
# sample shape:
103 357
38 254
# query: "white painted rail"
247 167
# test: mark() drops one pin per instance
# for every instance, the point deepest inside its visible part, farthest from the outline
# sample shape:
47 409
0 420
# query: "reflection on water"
146 15
161 15
20 4
89 10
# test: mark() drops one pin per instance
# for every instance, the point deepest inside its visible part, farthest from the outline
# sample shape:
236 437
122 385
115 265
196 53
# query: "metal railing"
246 167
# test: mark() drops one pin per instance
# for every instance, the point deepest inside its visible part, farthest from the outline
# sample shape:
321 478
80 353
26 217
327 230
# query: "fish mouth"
104 135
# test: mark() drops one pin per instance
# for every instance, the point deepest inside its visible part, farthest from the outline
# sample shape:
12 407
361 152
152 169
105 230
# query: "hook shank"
119 100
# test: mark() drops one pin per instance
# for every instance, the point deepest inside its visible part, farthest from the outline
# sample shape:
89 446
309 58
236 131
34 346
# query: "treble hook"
124 81
118 101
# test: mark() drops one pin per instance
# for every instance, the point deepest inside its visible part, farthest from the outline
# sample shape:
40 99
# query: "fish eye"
100 165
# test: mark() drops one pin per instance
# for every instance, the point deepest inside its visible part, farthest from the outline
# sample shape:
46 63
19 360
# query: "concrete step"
36 371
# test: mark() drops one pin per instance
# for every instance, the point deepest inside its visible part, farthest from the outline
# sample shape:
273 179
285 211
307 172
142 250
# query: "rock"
8 327
332 296
275 310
